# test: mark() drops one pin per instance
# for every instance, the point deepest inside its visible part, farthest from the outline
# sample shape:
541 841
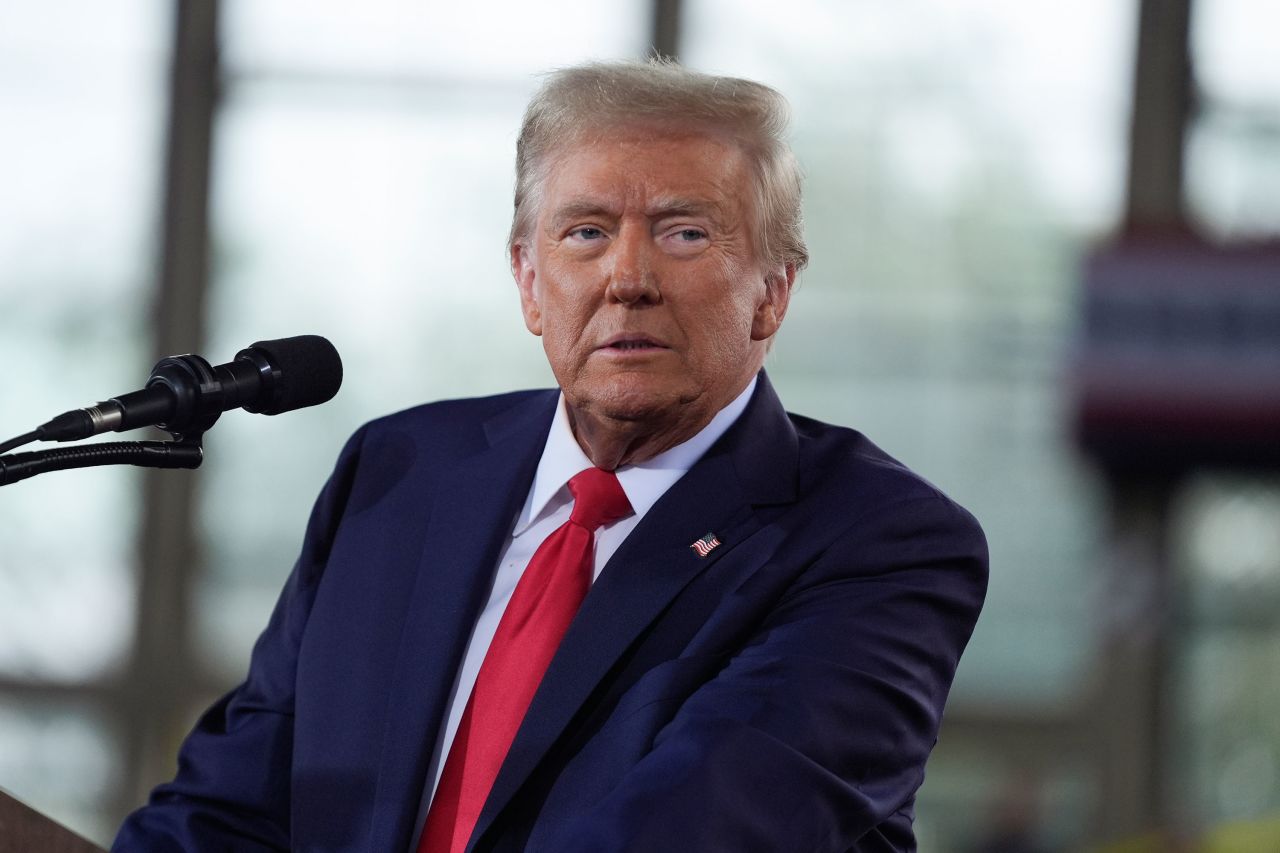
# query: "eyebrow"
661 209
665 207
578 209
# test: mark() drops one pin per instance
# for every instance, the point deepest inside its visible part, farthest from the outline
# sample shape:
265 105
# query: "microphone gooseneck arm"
144 454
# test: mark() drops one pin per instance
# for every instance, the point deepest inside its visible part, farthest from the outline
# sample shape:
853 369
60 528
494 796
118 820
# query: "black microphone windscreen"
309 368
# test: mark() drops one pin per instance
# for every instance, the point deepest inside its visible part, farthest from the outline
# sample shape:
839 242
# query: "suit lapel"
475 503
753 464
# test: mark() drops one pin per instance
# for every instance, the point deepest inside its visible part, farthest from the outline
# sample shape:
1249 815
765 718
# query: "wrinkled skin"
642 280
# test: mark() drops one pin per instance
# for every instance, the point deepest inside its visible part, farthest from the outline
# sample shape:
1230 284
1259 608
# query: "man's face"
641 277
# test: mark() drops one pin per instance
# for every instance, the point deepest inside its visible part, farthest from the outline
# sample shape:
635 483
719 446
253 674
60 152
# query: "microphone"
186 395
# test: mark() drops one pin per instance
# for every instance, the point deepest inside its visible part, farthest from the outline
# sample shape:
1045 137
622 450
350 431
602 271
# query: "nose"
632 278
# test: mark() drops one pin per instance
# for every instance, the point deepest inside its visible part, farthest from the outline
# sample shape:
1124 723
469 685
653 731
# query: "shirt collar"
643 483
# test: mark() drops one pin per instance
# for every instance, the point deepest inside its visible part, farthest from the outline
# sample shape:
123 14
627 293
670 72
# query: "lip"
628 343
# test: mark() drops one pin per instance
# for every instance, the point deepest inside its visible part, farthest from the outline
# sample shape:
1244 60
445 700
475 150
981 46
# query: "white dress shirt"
546 508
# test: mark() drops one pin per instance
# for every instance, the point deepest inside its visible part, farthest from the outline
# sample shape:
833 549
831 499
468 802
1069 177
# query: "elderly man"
647 611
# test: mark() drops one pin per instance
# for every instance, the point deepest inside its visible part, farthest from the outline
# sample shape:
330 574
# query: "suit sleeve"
817 731
232 789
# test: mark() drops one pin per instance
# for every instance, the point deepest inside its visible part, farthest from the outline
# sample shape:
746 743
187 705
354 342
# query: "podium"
25 830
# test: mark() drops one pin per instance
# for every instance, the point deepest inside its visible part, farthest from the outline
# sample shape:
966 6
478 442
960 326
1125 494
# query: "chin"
634 399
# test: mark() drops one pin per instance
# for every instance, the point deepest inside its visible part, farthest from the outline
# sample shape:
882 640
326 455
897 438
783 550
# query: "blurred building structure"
1177 388
997 192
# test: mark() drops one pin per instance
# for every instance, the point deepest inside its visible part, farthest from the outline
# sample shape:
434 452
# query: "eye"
586 232
686 240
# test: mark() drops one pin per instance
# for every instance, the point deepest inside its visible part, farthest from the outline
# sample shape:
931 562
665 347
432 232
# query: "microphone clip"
197 394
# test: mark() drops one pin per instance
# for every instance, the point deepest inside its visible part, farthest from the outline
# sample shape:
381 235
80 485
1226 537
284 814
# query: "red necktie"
541 608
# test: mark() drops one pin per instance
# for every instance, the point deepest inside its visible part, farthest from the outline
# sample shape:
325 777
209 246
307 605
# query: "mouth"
632 343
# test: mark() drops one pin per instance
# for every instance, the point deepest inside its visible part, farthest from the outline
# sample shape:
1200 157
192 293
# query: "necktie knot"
598 498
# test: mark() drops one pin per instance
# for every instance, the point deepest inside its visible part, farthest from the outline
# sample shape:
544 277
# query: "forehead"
628 167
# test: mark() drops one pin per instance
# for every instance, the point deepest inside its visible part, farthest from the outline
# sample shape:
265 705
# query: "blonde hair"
575 103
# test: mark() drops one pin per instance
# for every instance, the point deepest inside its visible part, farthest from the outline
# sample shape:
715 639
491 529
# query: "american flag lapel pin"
705 545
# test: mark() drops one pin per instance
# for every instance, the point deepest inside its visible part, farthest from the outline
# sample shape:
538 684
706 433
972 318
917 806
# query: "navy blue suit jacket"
781 693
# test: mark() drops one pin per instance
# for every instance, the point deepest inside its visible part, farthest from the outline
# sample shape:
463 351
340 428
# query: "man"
649 611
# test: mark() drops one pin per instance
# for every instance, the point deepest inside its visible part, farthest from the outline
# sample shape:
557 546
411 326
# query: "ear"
522 269
773 307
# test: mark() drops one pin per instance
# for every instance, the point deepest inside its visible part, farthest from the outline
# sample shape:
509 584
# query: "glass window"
1233 156
61 759
81 90
465 46
82 95
1227 548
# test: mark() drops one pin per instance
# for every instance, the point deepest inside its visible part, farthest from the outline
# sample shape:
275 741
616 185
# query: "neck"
611 443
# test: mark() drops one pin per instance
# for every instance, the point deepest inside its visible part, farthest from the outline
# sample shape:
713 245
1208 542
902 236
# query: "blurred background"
1045 275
